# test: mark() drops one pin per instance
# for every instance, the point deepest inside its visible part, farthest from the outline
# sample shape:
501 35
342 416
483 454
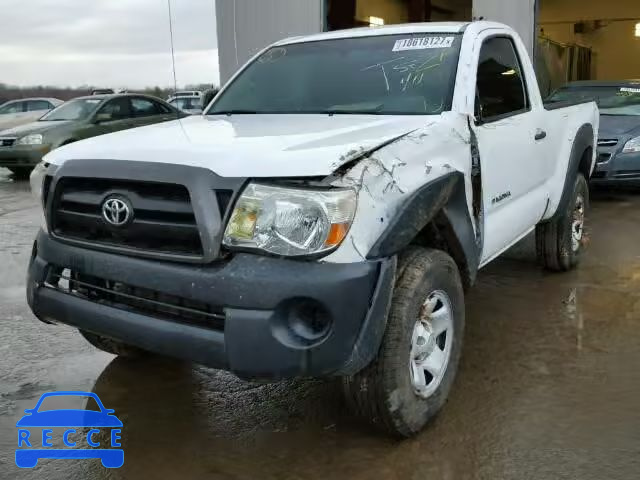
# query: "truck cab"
324 217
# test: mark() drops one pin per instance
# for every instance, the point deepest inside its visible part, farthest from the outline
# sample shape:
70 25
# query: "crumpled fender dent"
403 184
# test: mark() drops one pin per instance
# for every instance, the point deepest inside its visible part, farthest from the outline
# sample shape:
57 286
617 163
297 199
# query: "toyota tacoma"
324 216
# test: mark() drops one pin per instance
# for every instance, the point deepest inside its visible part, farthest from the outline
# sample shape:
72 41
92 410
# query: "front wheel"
409 381
560 241
21 173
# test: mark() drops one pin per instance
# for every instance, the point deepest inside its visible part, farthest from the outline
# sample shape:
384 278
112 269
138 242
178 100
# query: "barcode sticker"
423 43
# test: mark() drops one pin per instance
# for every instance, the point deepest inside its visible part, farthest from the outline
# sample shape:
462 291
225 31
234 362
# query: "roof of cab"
404 28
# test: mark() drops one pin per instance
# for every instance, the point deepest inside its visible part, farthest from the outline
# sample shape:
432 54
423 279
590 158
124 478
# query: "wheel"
112 346
21 173
559 242
408 382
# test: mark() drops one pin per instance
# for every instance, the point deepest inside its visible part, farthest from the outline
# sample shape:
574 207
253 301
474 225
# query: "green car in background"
22 148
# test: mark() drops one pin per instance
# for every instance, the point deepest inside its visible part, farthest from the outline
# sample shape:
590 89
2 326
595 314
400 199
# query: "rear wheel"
559 242
112 346
410 379
21 173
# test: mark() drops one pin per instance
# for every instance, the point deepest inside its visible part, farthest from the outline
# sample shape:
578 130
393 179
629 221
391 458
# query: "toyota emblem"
117 211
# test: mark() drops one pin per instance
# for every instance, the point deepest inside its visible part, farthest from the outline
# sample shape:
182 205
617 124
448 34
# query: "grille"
607 142
7 142
163 222
134 299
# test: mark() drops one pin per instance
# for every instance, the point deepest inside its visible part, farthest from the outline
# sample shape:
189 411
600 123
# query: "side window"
500 88
118 108
36 105
146 108
15 107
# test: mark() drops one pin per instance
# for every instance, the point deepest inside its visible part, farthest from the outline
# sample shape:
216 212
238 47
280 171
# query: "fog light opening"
302 323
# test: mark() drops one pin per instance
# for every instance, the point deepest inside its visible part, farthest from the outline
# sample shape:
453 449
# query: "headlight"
290 221
632 146
33 139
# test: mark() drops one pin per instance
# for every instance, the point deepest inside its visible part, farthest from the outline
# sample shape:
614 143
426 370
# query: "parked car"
104 91
324 217
23 147
25 110
618 160
188 104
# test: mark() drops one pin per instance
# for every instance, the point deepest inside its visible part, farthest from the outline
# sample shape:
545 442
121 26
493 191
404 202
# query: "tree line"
12 92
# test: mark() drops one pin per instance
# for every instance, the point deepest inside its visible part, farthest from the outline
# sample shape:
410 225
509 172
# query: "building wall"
247 26
616 49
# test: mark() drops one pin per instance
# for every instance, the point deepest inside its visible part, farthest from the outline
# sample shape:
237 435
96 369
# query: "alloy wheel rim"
577 226
431 344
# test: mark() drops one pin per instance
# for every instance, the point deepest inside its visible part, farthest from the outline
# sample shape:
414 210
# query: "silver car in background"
188 101
25 110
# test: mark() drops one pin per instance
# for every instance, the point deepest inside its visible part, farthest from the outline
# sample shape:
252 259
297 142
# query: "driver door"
113 116
507 129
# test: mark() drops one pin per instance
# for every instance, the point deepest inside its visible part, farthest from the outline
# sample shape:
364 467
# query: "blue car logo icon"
32 446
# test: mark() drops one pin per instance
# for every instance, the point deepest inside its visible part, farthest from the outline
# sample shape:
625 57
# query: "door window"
143 107
500 88
38 105
118 108
15 107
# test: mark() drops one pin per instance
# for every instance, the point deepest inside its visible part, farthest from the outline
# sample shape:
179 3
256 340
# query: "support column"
518 14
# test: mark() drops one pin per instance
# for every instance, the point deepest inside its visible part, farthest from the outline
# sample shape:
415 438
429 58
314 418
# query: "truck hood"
249 145
614 125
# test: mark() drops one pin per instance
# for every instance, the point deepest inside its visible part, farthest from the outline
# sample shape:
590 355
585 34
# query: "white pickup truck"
324 217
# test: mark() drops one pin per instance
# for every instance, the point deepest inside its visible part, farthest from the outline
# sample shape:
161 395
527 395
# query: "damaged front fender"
415 180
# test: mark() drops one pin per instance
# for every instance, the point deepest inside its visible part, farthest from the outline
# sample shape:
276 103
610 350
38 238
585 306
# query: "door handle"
540 134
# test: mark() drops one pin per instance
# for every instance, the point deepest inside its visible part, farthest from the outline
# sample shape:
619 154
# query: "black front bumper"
258 296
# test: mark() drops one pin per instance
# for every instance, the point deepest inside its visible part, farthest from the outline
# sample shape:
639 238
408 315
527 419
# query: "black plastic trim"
583 140
446 195
565 104
200 182
355 297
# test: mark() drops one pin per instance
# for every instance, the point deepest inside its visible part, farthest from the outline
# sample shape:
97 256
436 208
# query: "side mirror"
103 117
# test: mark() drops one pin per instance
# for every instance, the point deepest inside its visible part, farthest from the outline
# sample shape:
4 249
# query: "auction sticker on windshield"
69 433
423 43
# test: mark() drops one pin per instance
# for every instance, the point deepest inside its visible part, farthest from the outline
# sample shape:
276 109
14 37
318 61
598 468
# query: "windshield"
72 110
610 100
186 103
393 74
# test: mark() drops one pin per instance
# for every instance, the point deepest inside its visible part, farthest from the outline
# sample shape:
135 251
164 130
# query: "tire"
557 248
384 393
114 347
21 173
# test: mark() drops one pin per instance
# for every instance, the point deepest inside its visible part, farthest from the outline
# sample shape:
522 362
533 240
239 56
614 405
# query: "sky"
107 43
